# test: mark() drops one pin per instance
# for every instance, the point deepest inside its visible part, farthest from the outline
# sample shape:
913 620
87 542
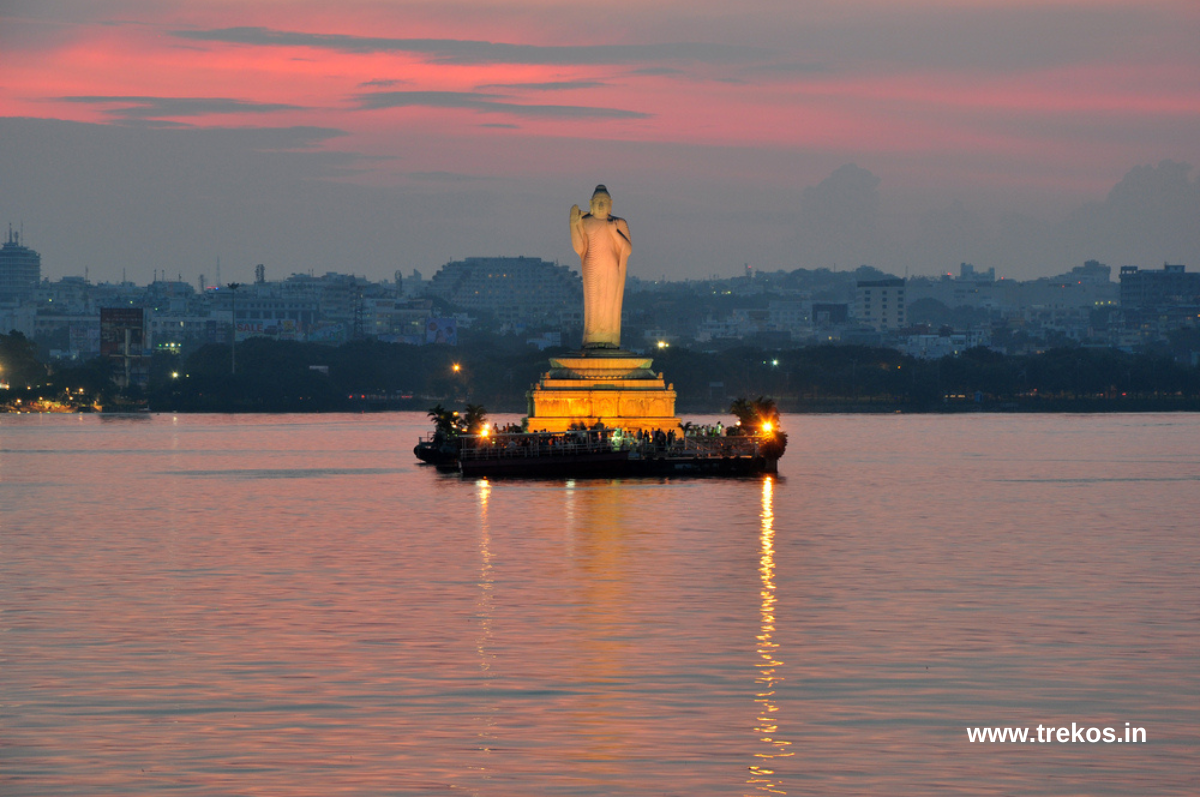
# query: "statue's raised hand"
576 214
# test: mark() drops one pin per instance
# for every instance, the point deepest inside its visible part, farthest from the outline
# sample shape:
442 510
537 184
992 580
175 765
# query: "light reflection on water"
763 774
484 606
291 605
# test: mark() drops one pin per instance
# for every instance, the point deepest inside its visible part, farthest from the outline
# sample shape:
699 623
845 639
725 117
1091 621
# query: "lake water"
292 605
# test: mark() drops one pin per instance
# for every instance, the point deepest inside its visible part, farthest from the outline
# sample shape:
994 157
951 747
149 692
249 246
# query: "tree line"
281 376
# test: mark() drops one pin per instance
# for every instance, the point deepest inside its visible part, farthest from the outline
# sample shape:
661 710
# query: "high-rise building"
20 269
1163 299
881 304
1144 289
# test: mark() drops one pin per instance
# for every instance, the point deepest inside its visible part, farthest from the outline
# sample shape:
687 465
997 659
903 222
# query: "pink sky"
724 111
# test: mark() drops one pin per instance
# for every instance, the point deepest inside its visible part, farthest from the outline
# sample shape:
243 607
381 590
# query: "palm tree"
752 414
743 411
445 422
767 411
473 419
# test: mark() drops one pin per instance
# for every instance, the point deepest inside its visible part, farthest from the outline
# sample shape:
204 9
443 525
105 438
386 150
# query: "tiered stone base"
608 386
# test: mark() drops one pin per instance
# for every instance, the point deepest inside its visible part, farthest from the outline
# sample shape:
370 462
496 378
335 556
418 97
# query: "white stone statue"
603 245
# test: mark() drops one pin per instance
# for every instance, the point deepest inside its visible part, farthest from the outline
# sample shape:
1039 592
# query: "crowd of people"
579 437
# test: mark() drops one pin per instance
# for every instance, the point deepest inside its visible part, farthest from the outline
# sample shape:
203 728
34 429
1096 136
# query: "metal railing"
565 444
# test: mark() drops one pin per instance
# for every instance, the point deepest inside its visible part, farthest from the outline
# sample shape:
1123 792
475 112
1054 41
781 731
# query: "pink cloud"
806 101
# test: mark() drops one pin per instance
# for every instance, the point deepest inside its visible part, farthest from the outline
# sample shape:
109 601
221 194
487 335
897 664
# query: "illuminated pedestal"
609 386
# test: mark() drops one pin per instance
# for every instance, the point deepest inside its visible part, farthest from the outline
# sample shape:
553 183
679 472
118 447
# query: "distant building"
1093 271
829 314
171 333
881 304
520 291
1159 301
335 298
934 347
790 315
968 273
17 317
1146 289
67 295
20 269
288 310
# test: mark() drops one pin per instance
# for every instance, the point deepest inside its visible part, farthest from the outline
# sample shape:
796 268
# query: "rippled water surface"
291 605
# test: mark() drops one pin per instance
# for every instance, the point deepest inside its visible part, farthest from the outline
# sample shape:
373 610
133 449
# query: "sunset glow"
1039 101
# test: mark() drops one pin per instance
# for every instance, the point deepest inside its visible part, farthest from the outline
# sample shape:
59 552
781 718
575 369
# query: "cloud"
382 84
154 110
656 71
787 68
563 85
445 177
839 220
250 195
486 103
461 51
1149 216
993 36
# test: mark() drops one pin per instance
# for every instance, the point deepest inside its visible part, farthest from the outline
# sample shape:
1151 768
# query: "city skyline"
374 137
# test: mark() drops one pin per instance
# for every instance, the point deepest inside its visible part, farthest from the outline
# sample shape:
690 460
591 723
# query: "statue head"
601 202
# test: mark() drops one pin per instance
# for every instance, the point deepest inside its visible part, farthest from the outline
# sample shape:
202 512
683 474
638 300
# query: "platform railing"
574 443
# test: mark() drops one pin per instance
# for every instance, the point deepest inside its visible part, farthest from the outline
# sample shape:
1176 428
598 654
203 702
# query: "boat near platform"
603 453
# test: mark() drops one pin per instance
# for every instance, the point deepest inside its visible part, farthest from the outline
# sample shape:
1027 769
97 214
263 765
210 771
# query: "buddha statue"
602 242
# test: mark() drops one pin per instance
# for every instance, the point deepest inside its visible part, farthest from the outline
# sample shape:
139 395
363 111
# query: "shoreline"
1037 406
